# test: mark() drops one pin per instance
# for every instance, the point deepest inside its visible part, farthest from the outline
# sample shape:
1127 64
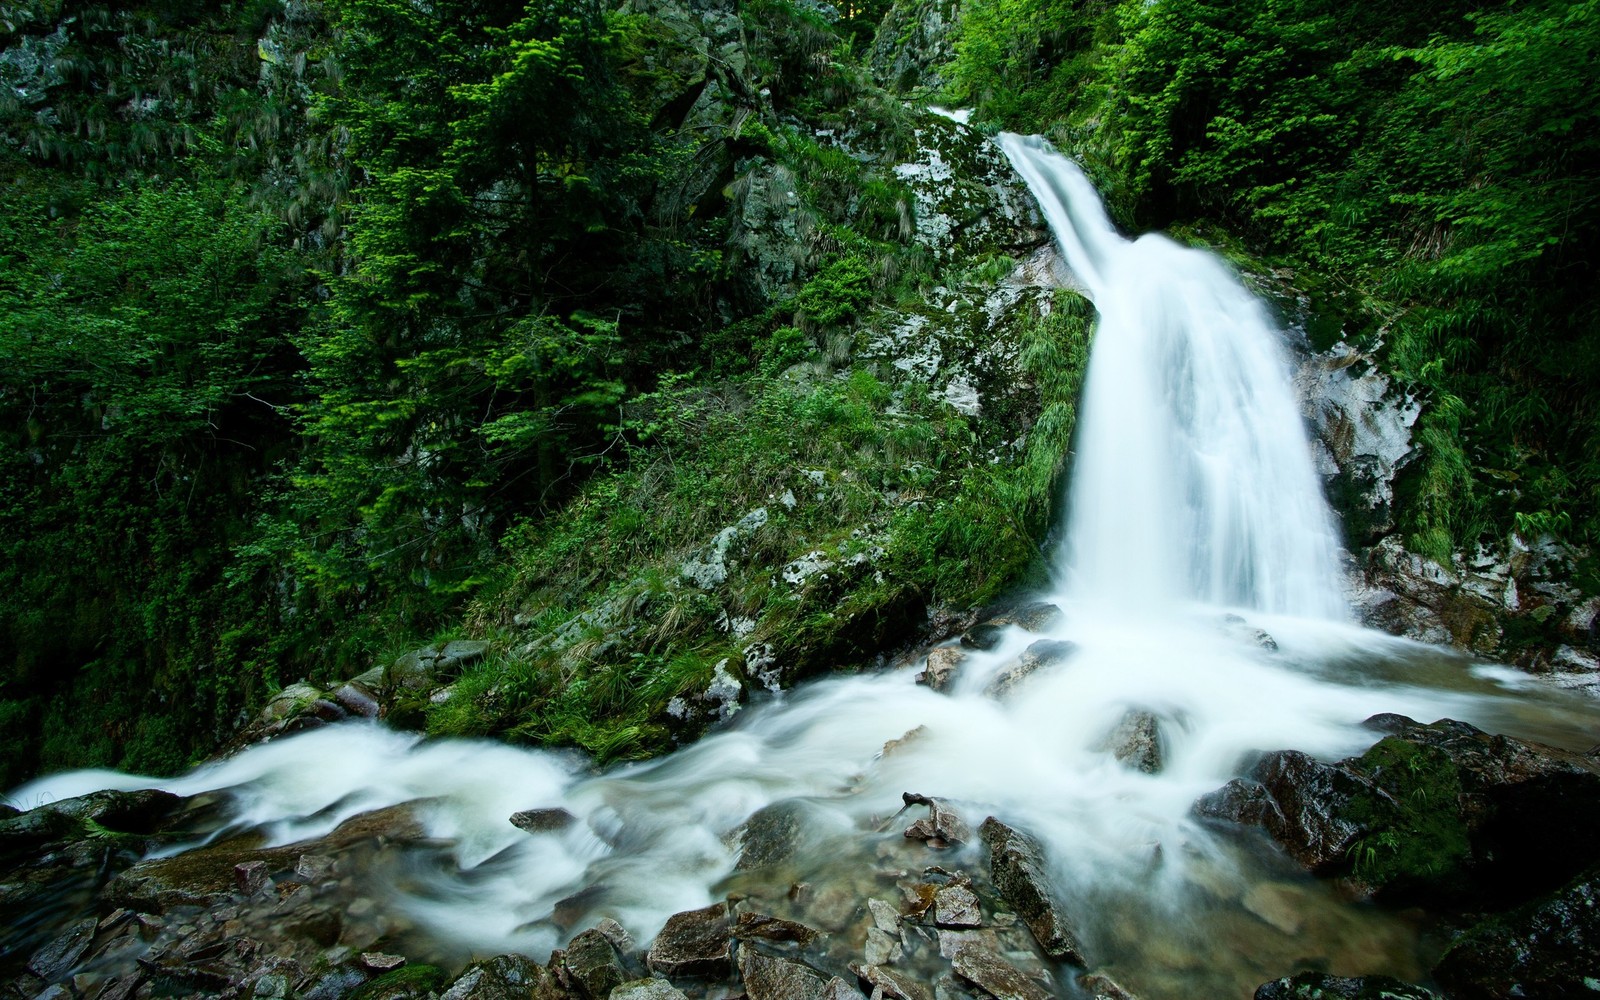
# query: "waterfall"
1193 479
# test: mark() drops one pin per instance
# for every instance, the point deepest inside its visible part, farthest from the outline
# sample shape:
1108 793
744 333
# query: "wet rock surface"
1017 866
1041 655
1135 741
1442 812
695 944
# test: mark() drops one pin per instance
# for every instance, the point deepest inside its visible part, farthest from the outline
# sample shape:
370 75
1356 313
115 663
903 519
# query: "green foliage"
1440 160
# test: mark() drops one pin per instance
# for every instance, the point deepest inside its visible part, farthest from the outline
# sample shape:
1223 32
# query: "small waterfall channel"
1195 520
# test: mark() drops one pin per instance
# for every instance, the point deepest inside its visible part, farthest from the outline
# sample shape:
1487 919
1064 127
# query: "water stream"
1193 498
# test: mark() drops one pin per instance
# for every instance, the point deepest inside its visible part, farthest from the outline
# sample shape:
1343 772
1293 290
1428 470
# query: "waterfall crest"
1193 479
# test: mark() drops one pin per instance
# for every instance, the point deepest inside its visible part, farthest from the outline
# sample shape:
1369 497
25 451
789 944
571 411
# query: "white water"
1193 479
1192 492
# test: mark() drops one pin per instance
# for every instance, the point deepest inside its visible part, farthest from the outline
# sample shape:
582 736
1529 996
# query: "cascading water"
1192 493
1193 478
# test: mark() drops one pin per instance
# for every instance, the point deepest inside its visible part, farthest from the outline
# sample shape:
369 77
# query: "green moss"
1419 841
403 983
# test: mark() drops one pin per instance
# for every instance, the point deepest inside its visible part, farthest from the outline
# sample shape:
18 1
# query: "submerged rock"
1017 868
695 944
985 635
1136 741
1042 654
995 976
772 835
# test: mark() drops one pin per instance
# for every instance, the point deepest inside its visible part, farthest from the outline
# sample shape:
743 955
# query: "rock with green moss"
411 982
1442 812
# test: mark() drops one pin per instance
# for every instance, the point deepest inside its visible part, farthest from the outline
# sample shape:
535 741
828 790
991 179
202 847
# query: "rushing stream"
1193 499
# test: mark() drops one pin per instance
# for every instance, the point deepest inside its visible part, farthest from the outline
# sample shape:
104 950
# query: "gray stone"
593 965
1136 741
942 827
252 876
956 906
1017 868
694 944
505 977
772 835
985 635
882 948
996 976
761 926
53 961
943 664
767 978
894 984
1100 986
647 989
1041 655
357 700
381 962
313 868
543 820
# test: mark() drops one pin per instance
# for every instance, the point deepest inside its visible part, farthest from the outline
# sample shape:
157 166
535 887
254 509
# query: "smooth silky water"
1192 497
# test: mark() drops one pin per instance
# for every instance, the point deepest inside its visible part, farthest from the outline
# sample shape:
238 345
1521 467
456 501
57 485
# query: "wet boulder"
752 926
1135 741
942 827
944 663
1041 655
772 835
505 977
696 944
1548 948
57 958
1017 869
1032 616
591 965
997 977
410 982
648 989
1442 812
543 820
768 978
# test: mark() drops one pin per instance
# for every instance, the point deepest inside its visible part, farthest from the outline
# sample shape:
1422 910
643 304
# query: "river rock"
944 662
1042 654
252 876
1444 812
592 964
956 906
409 982
648 989
996 976
772 835
1032 616
768 978
695 944
892 982
543 820
57 958
1017 868
1306 807
1136 741
764 927
942 827
1318 986
505 977
1548 948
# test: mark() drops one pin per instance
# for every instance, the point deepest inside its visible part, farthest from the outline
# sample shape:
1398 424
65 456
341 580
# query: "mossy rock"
1419 840
410 982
